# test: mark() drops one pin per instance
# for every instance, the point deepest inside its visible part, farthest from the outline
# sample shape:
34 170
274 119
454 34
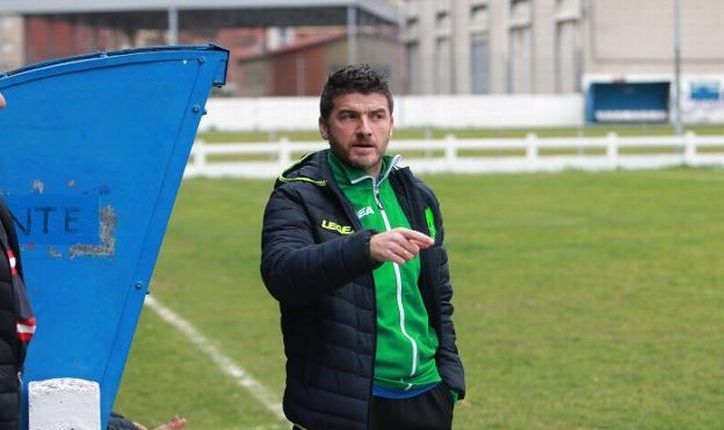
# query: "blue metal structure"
92 151
629 97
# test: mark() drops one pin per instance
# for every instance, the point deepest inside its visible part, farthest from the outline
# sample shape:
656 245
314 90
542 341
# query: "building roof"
311 42
194 14
294 47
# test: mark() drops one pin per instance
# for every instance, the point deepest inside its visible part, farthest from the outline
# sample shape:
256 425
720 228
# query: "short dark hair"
355 78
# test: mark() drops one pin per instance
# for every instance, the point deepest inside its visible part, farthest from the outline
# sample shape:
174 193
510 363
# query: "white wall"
489 111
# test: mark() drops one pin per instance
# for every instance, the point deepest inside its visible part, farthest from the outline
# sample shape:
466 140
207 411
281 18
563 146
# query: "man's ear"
323 129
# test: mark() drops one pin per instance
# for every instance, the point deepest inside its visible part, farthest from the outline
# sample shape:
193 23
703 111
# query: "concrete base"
64 404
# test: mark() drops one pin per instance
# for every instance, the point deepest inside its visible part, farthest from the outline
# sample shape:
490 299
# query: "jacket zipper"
398 280
411 207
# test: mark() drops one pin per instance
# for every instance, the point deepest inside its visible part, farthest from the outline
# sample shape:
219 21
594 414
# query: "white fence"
452 155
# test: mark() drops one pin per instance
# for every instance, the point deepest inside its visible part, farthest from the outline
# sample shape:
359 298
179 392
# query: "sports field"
583 301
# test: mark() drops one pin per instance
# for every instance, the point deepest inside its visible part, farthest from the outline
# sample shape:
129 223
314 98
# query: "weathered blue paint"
92 150
56 219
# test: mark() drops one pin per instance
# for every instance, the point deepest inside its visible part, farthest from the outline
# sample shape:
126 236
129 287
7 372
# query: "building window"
414 69
413 28
479 17
479 63
442 23
443 66
520 11
568 57
520 73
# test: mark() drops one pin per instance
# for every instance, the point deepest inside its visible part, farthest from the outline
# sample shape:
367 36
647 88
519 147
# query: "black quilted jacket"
10 348
323 282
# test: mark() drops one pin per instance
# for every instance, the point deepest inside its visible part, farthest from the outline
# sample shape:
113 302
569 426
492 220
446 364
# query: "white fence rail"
453 155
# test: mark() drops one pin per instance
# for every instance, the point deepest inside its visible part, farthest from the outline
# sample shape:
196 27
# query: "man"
352 250
17 323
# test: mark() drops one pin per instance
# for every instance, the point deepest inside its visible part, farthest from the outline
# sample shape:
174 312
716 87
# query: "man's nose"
364 126
2 101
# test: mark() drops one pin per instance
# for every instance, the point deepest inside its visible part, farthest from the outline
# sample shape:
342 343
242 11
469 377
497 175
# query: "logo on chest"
364 212
333 226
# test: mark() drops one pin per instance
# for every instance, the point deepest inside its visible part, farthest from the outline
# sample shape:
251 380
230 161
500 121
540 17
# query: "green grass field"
583 301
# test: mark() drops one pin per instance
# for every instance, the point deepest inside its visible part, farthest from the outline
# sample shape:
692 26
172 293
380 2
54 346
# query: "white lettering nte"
364 212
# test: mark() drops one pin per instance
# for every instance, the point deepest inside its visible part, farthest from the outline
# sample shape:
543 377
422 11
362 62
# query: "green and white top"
406 343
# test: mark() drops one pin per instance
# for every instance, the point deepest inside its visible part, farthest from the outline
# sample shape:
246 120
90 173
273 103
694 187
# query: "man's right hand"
399 245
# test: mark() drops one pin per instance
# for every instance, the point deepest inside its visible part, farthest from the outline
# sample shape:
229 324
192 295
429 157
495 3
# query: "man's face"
358 130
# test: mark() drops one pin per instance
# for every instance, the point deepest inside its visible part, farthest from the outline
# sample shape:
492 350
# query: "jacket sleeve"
296 270
448 358
7 222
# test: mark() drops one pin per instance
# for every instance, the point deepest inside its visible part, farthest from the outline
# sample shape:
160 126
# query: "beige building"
551 46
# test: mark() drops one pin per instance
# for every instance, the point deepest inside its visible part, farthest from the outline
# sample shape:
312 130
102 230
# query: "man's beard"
335 147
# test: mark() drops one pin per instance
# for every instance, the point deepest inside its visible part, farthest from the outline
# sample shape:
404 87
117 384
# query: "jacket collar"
345 174
311 168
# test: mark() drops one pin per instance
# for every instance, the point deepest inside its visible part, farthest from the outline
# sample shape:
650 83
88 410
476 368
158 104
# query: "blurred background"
589 298
605 60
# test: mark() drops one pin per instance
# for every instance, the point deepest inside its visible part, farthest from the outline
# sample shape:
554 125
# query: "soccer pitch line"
223 362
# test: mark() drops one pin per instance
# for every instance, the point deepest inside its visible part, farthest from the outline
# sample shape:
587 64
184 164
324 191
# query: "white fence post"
531 148
451 150
199 150
428 136
285 153
612 149
690 148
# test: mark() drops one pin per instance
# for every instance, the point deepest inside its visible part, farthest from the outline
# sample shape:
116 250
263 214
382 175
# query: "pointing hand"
399 245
